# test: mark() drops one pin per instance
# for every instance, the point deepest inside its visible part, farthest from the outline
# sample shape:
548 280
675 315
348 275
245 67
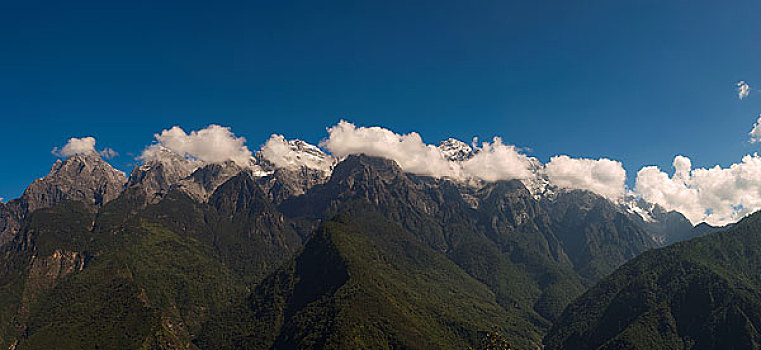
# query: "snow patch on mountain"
455 150
293 154
634 205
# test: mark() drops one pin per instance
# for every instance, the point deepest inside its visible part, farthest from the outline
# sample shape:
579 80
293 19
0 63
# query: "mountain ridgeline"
186 255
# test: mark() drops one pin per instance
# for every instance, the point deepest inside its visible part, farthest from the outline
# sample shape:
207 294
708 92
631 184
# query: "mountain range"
311 252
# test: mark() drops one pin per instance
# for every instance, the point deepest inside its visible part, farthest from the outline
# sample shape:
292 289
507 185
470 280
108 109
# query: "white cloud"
743 89
603 176
213 144
407 150
84 145
497 161
717 195
295 153
755 133
492 160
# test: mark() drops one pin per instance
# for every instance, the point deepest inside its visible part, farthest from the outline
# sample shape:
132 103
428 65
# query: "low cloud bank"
491 161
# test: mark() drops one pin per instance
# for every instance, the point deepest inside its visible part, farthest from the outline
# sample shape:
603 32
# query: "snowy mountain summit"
456 150
293 154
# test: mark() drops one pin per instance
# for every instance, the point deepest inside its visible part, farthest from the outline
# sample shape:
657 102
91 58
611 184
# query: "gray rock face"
157 175
167 170
295 168
285 183
665 226
295 172
202 183
83 177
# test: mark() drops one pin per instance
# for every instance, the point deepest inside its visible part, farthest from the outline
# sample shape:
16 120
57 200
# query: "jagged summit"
163 169
85 177
288 168
283 168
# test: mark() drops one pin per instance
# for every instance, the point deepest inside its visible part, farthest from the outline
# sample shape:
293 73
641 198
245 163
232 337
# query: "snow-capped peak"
455 150
538 183
292 154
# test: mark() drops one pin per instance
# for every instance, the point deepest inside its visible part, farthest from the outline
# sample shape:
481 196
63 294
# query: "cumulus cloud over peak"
491 161
213 144
408 150
743 89
295 153
603 176
84 145
488 161
715 195
495 161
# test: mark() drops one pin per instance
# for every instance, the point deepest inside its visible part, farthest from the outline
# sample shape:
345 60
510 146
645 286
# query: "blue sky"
635 81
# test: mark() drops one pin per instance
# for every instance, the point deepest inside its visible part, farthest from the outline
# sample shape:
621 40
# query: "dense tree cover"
700 294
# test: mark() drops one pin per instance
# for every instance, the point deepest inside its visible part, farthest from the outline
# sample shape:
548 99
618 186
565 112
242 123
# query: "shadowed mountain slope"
700 294
364 283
